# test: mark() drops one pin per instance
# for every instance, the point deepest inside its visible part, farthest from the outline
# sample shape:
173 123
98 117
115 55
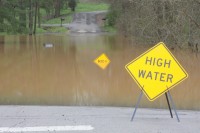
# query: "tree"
8 20
35 20
72 4
30 17
1 18
39 15
177 23
22 16
48 6
57 5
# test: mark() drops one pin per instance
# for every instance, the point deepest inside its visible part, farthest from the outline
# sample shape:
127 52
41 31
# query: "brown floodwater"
65 74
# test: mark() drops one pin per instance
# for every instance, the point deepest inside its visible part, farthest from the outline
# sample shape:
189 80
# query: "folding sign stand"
166 94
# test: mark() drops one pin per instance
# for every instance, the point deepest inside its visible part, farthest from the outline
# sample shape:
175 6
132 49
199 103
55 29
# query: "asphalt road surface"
62 119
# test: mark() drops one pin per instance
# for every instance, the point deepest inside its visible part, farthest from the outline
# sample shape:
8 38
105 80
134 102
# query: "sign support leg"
140 97
173 105
169 105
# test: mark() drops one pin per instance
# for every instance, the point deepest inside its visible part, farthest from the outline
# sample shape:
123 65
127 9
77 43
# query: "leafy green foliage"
112 17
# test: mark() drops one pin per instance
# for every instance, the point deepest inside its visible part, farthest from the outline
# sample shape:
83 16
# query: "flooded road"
65 74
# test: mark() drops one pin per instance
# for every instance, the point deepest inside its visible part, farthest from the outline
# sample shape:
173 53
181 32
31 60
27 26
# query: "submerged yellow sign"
102 61
156 71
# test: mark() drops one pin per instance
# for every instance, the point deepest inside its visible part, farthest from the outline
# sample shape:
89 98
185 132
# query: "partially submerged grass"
52 30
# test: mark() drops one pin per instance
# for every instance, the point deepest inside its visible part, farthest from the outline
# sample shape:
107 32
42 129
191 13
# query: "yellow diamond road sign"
102 61
156 71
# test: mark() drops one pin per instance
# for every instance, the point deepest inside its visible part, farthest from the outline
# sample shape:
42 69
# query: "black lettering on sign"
102 61
169 77
149 75
158 62
163 77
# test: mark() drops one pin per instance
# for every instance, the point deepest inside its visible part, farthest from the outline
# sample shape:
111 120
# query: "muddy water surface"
65 74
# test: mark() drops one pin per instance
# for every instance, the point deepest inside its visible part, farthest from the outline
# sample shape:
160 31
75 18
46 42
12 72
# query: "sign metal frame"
166 91
170 100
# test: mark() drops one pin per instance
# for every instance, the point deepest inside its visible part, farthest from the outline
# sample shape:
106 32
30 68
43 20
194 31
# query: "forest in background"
24 16
175 22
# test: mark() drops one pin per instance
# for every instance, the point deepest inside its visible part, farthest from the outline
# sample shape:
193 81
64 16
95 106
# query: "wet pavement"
88 22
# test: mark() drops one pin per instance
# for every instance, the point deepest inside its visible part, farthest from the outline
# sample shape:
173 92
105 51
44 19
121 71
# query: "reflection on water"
66 75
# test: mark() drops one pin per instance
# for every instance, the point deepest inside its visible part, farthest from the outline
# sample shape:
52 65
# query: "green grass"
65 11
88 7
40 30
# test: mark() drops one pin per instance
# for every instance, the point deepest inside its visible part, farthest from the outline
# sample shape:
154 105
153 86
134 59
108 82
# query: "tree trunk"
57 8
22 16
30 18
1 19
39 16
2 43
35 21
1 22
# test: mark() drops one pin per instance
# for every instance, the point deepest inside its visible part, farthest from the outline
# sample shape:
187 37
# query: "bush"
112 17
